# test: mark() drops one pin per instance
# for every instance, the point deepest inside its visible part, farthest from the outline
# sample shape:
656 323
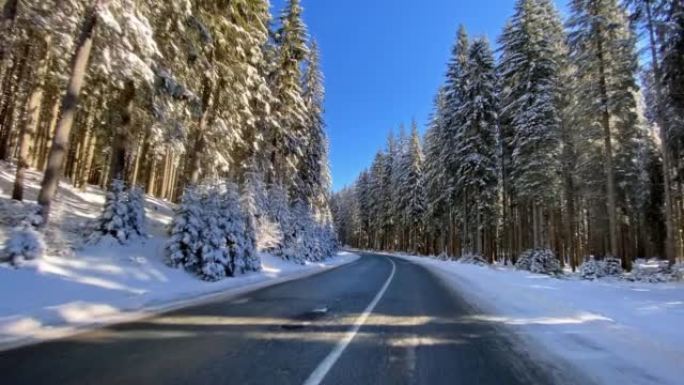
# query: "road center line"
324 367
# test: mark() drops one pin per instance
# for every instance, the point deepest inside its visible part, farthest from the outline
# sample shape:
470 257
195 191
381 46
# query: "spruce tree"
530 73
476 175
288 137
414 206
602 48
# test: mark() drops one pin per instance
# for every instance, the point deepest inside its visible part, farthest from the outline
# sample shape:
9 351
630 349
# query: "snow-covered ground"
78 287
615 332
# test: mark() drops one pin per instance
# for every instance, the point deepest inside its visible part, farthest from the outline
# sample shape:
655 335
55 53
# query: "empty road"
379 320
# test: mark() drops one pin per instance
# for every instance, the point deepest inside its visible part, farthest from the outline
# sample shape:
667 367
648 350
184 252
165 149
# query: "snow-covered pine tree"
602 50
136 211
304 238
115 220
279 212
183 249
437 195
529 79
413 185
313 170
672 110
25 243
255 203
237 232
449 110
216 235
388 170
398 189
672 51
362 195
377 200
288 137
476 175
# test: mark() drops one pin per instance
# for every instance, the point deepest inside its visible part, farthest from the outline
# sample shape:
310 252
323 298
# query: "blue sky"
383 62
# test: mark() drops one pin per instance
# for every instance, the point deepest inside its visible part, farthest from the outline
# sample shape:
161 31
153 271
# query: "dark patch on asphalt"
305 319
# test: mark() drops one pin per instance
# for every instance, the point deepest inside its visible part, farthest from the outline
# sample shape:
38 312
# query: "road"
379 320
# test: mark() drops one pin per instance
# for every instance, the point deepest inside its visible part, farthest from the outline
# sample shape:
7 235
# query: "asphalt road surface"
378 320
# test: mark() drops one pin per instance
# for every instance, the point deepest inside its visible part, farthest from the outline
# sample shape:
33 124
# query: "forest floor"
616 332
77 286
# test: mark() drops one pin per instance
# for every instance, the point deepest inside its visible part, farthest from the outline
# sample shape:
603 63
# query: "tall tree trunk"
60 143
152 176
194 162
50 132
88 162
30 126
670 249
10 89
608 143
122 132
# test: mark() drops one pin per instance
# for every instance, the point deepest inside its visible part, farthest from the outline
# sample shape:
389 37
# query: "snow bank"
615 332
56 296
77 287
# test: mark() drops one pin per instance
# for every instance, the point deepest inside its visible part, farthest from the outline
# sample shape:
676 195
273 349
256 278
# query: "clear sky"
383 62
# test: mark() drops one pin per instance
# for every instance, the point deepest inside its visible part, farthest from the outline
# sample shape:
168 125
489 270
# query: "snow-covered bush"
651 270
24 244
211 235
443 256
473 259
327 239
214 260
540 261
255 203
593 269
678 271
252 261
303 237
237 231
612 267
279 213
123 216
136 210
183 249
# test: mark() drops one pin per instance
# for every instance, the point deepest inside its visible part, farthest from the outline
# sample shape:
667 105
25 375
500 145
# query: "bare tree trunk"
88 162
152 176
50 132
194 162
10 89
60 142
121 133
608 143
30 126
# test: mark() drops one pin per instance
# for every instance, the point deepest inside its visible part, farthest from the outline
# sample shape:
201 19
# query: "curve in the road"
368 322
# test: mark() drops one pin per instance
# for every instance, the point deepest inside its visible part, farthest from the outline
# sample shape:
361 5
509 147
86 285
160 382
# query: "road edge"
521 342
133 315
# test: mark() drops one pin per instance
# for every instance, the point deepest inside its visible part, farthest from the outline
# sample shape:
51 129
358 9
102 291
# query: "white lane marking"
324 367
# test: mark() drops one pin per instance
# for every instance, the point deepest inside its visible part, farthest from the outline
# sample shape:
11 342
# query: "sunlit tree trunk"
60 143
30 126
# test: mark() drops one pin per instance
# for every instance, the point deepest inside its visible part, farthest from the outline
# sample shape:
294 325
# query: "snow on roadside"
615 332
58 296
77 287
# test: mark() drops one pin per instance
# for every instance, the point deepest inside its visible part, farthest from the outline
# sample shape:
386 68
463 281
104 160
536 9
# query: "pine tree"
183 249
214 257
530 75
287 139
476 175
602 47
415 192
437 193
